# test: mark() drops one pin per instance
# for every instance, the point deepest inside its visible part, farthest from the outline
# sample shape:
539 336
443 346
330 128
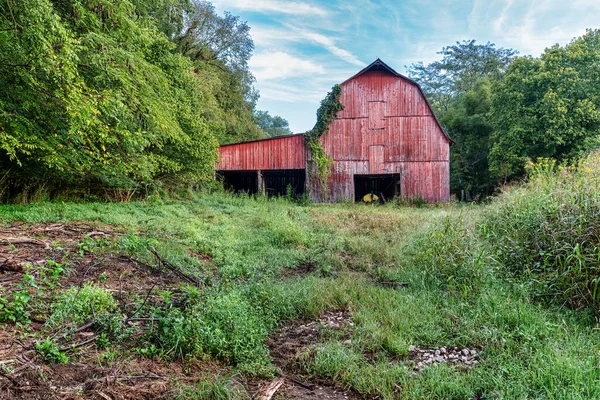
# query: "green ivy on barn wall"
326 114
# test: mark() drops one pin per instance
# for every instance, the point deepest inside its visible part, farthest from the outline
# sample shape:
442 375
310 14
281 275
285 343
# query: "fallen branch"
173 268
304 385
144 302
78 344
270 391
11 240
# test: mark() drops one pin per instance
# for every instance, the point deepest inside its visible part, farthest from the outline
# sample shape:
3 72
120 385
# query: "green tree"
461 67
459 88
93 95
223 46
272 125
468 119
547 107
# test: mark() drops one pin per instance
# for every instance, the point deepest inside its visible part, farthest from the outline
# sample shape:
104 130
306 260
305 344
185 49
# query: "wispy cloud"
273 6
327 43
282 65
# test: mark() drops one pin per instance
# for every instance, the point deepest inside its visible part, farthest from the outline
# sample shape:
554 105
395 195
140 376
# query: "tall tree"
272 125
548 106
461 67
468 120
223 44
459 88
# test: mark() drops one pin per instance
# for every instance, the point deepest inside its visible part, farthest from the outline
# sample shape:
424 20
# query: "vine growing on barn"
327 113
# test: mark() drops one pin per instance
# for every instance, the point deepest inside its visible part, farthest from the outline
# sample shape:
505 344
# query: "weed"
50 352
80 304
15 307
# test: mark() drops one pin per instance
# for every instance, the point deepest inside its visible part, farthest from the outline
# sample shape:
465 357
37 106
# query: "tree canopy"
502 109
128 94
272 125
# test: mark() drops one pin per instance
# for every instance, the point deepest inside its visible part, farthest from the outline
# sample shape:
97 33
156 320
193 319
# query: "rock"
437 352
411 348
443 350
347 342
465 352
473 352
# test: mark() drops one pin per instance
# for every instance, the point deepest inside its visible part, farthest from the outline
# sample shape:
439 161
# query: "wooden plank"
376 115
376 159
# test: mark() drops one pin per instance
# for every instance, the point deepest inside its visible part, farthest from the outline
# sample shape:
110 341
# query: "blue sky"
303 47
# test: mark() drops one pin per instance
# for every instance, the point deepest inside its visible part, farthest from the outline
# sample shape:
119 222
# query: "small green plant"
91 243
50 352
81 304
15 308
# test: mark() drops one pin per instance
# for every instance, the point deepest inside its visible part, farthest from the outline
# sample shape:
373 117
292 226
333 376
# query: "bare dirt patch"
291 340
85 253
302 269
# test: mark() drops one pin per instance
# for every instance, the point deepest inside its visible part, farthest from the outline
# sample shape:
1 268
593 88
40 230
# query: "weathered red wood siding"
387 127
277 153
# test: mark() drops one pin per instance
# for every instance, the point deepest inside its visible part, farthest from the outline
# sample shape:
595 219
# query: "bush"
223 325
548 231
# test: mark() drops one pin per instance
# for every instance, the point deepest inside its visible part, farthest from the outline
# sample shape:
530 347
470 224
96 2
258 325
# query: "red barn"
386 141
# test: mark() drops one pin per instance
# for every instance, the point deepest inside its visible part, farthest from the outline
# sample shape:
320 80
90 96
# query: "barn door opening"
284 182
240 181
384 186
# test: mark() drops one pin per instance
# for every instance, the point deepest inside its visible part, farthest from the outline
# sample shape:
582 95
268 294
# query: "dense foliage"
116 98
547 107
548 231
272 125
502 110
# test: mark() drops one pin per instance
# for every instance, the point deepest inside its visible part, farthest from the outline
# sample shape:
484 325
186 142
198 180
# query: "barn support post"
261 183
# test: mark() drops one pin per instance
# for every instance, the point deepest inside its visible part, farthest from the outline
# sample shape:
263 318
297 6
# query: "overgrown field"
219 296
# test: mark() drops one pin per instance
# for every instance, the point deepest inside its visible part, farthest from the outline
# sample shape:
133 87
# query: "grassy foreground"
422 277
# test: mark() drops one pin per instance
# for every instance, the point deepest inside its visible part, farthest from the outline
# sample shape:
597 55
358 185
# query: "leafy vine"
327 113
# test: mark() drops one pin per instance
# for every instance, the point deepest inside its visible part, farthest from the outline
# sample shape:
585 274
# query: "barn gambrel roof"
379 65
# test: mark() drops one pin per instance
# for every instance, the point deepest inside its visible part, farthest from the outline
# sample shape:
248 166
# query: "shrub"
547 231
224 326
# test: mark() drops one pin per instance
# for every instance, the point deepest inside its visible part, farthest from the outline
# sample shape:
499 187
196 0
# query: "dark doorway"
384 186
277 182
240 181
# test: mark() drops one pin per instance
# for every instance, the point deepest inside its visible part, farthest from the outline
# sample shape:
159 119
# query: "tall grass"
547 232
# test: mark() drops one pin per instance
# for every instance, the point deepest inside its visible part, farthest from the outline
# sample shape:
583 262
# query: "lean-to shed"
385 141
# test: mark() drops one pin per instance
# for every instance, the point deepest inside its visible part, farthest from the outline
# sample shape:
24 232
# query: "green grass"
455 295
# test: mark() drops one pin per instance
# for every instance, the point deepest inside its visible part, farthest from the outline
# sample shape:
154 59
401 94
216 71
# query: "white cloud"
276 6
270 37
330 45
282 65
327 43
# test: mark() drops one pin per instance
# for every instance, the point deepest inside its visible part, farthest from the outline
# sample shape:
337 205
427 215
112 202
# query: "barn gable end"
387 127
